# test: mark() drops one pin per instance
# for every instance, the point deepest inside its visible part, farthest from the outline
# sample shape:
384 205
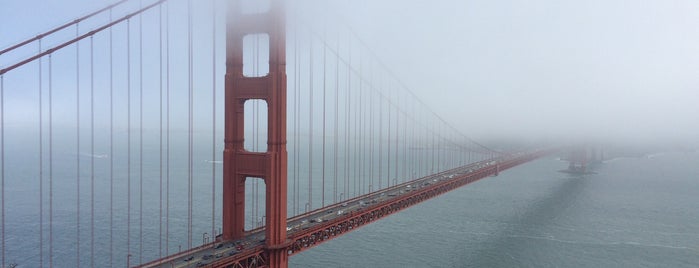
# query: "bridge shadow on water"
508 246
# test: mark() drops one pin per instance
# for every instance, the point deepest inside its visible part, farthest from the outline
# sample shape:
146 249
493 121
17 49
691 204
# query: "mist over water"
634 212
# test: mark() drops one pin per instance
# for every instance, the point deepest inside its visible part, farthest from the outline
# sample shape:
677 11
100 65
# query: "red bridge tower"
240 164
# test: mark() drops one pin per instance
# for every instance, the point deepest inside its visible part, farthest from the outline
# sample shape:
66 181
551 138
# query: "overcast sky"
601 68
627 70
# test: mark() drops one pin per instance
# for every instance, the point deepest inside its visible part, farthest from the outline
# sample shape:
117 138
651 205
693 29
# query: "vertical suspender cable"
434 148
362 148
347 118
255 132
415 143
371 132
325 66
257 126
298 130
294 148
310 125
253 183
441 161
424 152
409 142
419 153
213 120
448 146
400 152
322 199
405 143
128 138
451 147
336 132
397 162
361 131
189 128
388 141
294 133
50 164
92 152
422 143
41 164
111 145
167 130
438 133
140 136
357 114
297 124
426 144
379 141
77 144
2 167
419 135
256 121
160 128
447 149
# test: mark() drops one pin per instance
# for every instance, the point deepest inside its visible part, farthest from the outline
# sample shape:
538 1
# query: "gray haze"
621 70
602 69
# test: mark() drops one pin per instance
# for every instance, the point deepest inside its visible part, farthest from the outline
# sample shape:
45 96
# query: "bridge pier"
240 164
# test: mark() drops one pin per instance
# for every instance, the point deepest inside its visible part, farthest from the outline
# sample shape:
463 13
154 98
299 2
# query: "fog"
540 70
516 70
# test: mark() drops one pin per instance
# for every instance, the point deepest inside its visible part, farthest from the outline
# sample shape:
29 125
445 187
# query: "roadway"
254 241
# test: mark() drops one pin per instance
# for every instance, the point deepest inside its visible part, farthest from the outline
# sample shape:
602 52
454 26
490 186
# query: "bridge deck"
315 227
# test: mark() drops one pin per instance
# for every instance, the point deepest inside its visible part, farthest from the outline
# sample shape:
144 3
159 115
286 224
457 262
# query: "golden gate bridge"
211 133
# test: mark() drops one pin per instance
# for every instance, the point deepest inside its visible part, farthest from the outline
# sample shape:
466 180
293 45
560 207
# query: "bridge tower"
578 160
240 164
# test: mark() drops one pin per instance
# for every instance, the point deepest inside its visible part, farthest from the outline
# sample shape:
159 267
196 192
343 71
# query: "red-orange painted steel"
263 255
318 234
239 164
